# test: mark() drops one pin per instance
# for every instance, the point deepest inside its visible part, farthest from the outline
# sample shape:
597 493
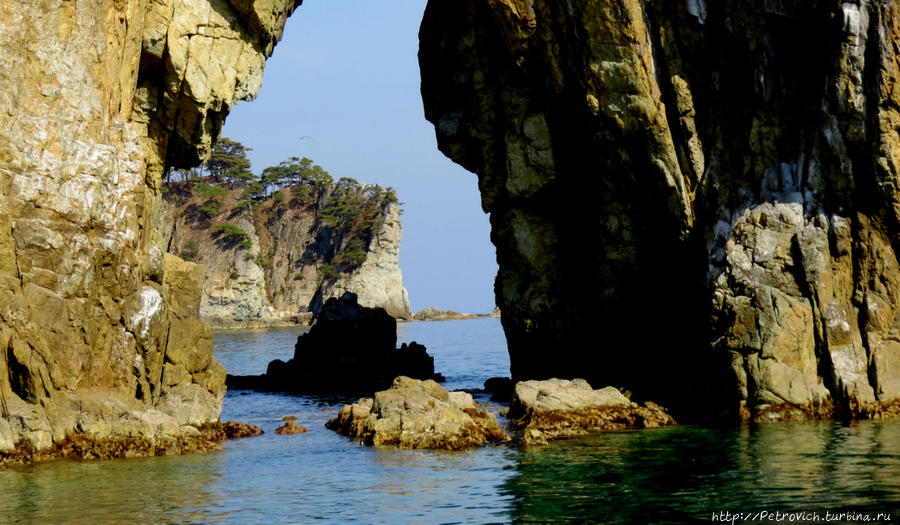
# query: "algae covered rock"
560 408
418 414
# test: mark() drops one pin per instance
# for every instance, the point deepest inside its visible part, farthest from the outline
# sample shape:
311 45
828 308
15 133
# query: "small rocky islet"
414 414
352 348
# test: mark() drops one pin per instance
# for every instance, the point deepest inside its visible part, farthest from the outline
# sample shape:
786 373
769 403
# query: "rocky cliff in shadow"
287 254
698 202
99 335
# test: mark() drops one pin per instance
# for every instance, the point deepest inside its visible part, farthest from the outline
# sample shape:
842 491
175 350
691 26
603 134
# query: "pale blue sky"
346 74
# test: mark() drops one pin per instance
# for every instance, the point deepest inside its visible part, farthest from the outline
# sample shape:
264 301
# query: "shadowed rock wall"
98 328
697 202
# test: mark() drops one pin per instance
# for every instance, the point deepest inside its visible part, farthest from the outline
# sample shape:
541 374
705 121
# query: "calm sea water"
676 475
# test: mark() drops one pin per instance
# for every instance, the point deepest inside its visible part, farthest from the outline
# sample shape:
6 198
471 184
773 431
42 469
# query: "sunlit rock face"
98 329
278 279
697 201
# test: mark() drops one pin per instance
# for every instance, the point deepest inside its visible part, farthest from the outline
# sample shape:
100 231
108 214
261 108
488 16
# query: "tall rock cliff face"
98 328
291 260
686 194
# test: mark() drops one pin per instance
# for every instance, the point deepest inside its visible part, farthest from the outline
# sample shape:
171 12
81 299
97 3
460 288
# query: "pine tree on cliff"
295 171
228 163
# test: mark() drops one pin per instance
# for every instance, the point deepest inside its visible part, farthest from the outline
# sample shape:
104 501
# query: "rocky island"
276 246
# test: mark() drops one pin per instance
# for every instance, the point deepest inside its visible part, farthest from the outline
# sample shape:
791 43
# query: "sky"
342 88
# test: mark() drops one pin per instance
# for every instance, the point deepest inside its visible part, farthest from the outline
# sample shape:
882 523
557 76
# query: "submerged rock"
291 428
561 408
351 348
418 414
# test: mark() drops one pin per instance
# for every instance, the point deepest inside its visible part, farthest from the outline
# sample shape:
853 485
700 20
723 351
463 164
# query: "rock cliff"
696 201
99 336
291 259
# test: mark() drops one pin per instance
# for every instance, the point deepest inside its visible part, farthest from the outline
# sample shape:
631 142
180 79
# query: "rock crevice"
726 174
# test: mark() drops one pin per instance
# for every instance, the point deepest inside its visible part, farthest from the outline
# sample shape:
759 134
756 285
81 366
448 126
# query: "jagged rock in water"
418 414
561 408
715 188
500 388
279 277
351 348
99 340
290 428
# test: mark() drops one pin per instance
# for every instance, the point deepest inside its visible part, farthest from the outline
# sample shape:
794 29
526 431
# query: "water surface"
673 475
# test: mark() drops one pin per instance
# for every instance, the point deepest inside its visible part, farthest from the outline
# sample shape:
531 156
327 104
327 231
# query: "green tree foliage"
228 163
353 211
190 250
234 234
209 191
329 271
353 253
210 207
344 205
297 171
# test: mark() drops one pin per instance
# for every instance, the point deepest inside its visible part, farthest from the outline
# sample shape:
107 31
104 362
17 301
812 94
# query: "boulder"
418 414
500 388
562 408
350 349
291 428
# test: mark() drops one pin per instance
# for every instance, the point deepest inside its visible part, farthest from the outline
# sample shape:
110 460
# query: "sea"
815 472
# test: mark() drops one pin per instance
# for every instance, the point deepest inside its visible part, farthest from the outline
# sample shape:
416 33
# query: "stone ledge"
206 438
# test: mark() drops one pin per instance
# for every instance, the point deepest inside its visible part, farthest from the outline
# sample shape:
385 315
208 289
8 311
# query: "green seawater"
674 475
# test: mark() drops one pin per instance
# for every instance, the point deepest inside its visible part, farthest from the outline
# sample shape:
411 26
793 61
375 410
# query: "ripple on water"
671 475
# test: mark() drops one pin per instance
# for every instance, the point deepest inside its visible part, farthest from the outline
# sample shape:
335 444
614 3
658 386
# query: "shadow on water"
673 475
685 474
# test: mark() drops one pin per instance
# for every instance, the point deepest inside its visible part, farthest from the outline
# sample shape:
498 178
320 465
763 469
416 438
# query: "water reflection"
248 352
683 475
145 490
676 475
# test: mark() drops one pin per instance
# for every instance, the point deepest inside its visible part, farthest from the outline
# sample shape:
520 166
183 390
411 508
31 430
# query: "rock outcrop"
350 349
431 313
418 414
561 408
709 191
99 337
289 428
289 263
